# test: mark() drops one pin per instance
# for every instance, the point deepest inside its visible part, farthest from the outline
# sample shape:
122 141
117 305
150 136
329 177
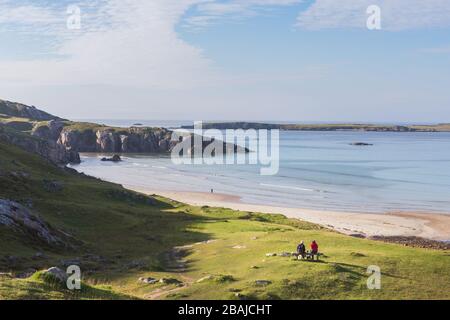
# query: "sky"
252 60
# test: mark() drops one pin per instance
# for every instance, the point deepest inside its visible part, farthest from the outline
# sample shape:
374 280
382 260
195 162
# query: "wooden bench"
310 256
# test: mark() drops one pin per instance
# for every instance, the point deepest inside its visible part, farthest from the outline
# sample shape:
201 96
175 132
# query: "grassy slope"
137 239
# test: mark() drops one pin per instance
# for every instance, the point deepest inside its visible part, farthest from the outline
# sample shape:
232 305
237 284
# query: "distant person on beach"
212 190
301 250
314 249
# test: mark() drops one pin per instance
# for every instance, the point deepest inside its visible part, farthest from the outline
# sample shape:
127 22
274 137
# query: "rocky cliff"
48 149
60 141
85 137
114 140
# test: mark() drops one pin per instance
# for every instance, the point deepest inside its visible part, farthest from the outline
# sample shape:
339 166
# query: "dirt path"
164 291
175 264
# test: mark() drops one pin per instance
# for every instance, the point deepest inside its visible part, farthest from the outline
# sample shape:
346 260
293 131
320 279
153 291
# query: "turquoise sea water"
318 170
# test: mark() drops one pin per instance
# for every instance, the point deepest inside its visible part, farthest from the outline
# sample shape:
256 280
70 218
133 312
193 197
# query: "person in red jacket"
314 249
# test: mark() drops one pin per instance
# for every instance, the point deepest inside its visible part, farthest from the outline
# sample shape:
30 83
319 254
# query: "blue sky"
287 60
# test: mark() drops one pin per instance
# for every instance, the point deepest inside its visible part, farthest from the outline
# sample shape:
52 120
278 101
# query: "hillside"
14 109
121 239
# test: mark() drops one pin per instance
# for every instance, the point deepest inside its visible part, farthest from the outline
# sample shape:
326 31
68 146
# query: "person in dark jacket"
301 250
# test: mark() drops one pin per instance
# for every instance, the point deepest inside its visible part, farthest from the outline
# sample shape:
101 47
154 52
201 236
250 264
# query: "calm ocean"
318 170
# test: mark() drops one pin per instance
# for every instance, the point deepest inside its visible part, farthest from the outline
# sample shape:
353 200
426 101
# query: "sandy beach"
426 225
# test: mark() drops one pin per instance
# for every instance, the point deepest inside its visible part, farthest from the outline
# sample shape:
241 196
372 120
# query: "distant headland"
443 127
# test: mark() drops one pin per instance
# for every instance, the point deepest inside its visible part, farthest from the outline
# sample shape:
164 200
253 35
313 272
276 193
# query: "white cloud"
396 15
122 42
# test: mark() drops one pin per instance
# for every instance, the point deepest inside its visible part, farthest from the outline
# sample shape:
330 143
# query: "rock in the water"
57 274
114 158
361 144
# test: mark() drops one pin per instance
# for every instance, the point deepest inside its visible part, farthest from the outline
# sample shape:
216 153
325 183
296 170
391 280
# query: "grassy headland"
444 127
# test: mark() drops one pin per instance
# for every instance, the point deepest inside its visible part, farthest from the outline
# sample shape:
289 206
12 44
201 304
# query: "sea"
399 171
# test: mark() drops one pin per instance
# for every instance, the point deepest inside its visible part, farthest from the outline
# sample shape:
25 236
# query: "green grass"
225 249
87 126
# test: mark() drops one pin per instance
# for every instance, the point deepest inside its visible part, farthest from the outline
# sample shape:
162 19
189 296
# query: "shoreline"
432 226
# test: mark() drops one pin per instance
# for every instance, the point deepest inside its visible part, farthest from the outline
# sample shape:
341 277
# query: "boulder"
148 280
57 274
263 282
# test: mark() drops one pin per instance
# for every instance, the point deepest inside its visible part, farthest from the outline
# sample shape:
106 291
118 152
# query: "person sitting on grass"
301 250
314 249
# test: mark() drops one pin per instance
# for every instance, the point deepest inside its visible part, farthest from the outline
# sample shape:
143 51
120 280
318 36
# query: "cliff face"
94 138
48 149
131 140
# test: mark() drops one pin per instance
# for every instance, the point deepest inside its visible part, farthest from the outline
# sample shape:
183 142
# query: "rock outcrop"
49 131
20 219
112 140
56 274
126 140
48 149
